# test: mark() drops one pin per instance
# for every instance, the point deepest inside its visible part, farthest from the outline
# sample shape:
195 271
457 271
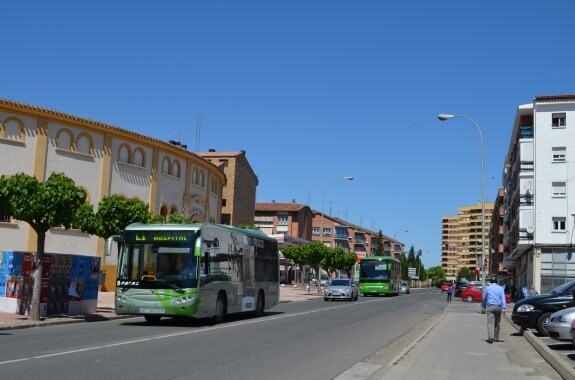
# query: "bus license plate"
151 310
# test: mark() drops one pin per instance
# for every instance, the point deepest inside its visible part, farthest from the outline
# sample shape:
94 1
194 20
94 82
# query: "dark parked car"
533 312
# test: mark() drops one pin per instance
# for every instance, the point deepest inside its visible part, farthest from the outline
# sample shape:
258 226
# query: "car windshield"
339 283
565 288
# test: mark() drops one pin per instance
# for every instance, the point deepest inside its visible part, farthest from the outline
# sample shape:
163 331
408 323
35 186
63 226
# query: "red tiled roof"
274 206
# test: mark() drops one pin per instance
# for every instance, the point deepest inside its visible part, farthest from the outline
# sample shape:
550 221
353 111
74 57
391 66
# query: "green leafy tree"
43 206
157 219
465 273
176 218
114 214
338 259
249 227
312 254
379 248
437 275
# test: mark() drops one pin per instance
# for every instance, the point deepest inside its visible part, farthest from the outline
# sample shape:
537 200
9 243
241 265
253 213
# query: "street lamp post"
394 235
349 178
443 117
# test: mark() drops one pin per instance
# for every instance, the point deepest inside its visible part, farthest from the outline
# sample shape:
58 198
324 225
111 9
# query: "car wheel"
469 298
542 322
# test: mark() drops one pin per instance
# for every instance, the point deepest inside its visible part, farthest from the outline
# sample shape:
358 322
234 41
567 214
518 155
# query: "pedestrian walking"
449 292
513 293
493 302
532 292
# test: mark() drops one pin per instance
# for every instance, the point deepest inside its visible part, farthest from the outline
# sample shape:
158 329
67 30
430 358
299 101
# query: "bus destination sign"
149 237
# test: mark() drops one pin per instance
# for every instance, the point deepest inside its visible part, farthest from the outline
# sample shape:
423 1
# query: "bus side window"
206 263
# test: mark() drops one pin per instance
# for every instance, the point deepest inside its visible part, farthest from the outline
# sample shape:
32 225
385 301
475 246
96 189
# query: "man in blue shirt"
494 302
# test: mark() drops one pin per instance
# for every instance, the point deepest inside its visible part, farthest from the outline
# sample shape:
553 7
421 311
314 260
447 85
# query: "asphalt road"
297 340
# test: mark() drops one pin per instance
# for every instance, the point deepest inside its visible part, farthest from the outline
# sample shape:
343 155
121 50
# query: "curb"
563 369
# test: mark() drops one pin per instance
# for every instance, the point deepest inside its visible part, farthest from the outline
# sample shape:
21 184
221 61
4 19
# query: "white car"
559 324
404 288
341 289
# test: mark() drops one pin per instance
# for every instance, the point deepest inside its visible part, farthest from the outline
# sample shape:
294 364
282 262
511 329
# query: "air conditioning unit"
350 238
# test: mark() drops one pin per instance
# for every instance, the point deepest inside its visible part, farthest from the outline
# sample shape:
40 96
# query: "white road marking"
182 333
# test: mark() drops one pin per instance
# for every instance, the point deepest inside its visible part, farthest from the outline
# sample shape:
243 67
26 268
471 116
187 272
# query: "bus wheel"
260 304
220 309
152 319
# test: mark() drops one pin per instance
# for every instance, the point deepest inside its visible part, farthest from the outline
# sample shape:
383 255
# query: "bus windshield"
374 270
159 265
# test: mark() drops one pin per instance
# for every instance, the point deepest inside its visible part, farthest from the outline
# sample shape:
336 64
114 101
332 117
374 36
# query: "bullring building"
103 160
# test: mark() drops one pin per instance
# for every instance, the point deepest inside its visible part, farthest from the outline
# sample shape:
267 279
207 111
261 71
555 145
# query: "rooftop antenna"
198 129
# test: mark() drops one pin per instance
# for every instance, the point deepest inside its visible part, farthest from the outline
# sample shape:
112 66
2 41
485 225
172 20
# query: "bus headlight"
185 300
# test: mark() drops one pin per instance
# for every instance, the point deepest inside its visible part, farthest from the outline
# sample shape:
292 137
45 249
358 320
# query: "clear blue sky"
311 90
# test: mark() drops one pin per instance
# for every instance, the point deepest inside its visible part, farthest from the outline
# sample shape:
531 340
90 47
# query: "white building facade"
538 182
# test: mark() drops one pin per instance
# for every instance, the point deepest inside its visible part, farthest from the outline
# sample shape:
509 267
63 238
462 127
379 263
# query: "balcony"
525 235
341 236
526 166
526 199
526 132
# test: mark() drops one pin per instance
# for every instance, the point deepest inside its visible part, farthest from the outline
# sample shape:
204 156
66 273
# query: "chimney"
293 200
211 150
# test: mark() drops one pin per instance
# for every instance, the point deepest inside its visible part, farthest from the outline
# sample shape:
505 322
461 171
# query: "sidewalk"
105 310
456 348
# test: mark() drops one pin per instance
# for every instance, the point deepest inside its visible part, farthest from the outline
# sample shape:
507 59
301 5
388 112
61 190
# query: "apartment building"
292 220
537 178
462 239
104 160
239 193
449 241
290 224
342 234
496 234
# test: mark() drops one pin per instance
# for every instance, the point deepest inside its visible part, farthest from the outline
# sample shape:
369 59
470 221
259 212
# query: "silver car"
341 289
404 288
559 325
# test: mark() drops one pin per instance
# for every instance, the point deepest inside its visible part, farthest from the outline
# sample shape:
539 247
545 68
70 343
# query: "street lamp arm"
444 117
349 178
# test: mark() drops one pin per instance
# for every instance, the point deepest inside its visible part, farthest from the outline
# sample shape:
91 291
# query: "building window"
12 129
315 231
282 219
175 169
124 154
84 144
558 120
327 232
558 224
64 139
166 165
4 218
558 189
139 157
559 154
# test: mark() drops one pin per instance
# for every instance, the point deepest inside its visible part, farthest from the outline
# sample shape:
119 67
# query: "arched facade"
103 160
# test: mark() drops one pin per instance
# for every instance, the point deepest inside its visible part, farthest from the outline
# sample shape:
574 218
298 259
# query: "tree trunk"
37 290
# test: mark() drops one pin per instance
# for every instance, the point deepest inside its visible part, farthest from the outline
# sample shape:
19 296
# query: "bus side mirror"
110 244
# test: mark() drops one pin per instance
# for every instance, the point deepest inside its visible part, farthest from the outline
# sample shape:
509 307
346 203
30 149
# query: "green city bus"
379 275
197 270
